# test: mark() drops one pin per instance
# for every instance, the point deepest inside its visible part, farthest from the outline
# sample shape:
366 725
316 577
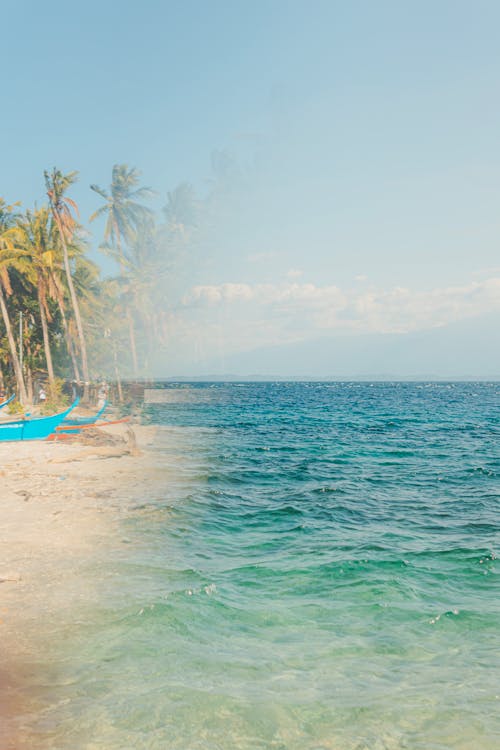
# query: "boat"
80 421
4 403
64 431
35 428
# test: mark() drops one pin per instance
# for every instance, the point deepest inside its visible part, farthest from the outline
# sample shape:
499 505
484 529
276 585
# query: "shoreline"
62 504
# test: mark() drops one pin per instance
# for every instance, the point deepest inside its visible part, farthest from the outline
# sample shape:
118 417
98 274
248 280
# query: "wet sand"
59 503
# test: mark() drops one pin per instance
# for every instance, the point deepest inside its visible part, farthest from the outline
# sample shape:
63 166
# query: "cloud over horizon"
300 310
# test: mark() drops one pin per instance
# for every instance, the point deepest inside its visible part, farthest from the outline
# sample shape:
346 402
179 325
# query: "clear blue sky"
377 125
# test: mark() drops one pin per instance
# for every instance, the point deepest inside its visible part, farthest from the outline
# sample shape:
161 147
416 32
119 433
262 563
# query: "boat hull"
80 421
38 428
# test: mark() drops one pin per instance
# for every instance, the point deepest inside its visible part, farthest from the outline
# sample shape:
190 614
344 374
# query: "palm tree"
124 212
181 209
60 298
144 270
59 288
124 216
35 240
62 209
9 258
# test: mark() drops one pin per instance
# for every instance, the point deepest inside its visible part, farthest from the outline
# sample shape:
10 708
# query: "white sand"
58 502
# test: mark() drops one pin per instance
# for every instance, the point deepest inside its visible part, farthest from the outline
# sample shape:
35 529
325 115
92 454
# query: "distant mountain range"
468 350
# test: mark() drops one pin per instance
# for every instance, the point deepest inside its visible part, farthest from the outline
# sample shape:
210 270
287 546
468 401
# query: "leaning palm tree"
62 209
35 242
38 241
9 259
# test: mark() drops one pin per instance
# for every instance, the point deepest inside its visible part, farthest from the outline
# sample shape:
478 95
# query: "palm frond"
100 191
98 212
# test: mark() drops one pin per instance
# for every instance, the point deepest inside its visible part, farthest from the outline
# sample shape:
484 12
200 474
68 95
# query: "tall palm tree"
35 240
181 209
143 271
123 210
125 214
9 258
63 209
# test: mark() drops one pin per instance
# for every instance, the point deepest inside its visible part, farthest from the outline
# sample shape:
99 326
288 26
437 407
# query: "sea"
319 573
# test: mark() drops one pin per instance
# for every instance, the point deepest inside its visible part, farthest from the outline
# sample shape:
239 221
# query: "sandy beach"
60 504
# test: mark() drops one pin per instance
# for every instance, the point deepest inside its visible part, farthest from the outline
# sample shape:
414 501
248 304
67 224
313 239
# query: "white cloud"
216 321
305 308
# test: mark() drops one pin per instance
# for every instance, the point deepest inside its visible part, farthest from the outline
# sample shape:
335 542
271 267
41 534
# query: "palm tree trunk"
23 396
76 308
148 327
117 375
133 348
46 340
29 384
69 342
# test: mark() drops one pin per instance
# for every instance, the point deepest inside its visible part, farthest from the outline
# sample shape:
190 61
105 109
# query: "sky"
366 238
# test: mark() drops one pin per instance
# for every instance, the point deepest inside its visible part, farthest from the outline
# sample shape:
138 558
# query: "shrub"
56 399
15 407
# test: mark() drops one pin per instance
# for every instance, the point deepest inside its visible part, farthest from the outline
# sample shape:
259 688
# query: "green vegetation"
60 319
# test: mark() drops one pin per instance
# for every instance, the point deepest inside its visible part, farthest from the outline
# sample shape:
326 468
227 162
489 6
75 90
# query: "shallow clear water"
321 574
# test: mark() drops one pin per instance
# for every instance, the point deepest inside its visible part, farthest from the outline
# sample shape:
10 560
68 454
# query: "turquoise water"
320 575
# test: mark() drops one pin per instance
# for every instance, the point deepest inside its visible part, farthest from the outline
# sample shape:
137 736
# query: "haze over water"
320 573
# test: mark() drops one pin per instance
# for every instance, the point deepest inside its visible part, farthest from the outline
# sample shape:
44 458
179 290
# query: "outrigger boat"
4 403
36 428
80 421
64 431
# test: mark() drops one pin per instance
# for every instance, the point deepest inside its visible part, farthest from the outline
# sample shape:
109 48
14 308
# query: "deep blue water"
321 574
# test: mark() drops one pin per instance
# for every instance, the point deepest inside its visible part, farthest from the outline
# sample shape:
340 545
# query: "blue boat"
79 421
4 403
37 428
